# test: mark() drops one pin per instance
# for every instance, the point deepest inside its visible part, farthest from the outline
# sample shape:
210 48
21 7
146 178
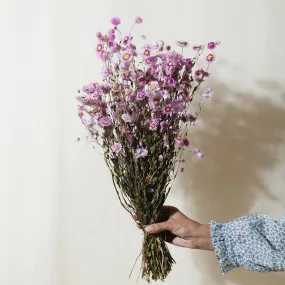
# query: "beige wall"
61 223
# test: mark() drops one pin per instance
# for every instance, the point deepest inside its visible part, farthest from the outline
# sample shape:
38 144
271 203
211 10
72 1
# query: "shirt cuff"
222 251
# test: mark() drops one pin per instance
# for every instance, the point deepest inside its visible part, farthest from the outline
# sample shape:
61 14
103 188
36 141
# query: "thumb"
157 228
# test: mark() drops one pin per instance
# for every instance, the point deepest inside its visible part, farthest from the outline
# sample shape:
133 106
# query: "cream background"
60 220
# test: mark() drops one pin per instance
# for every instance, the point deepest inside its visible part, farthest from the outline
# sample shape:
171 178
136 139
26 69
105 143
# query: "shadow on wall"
240 140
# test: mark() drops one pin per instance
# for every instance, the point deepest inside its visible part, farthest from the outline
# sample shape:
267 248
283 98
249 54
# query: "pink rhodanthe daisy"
153 86
182 44
116 147
178 139
211 45
126 39
126 56
141 152
153 125
146 51
156 100
197 48
127 118
210 58
167 109
99 48
138 20
116 21
104 121
171 82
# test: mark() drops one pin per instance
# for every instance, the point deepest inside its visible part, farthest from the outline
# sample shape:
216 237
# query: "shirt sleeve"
255 242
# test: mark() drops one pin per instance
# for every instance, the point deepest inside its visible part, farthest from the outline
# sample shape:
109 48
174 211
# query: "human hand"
180 230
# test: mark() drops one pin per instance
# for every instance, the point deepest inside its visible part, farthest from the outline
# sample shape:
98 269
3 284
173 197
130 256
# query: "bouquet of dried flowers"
139 115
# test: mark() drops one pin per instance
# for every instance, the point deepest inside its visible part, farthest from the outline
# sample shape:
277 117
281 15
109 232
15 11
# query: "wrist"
203 238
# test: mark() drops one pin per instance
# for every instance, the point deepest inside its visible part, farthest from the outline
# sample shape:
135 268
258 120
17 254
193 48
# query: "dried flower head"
182 44
138 20
116 21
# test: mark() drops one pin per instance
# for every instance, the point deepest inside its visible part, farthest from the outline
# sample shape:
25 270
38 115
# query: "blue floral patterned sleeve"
255 242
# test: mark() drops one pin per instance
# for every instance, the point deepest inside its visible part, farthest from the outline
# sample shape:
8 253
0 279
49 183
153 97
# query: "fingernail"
149 229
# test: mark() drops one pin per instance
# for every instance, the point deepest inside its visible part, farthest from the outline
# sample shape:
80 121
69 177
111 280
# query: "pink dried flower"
99 35
116 147
140 95
182 44
178 139
200 155
167 109
171 82
143 37
127 118
163 126
181 169
116 21
151 60
105 88
155 101
88 122
126 39
138 20
197 48
141 152
153 86
126 56
187 99
146 52
104 55
153 125
211 45
99 48
106 72
210 58
104 121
